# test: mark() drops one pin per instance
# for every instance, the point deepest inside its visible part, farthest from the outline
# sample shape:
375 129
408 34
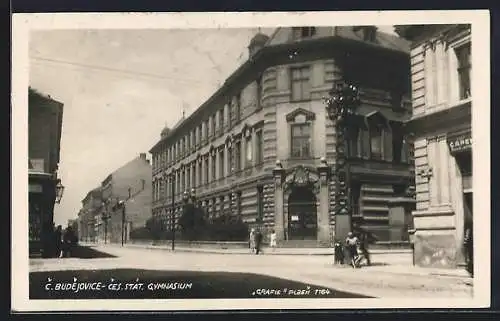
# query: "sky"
120 88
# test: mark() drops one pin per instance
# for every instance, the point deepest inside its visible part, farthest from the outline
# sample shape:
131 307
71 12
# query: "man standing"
258 241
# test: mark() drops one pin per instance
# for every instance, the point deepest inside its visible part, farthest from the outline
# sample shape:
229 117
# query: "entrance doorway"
302 214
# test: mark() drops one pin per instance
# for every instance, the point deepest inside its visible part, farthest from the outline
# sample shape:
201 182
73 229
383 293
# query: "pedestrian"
258 241
251 240
352 243
57 241
338 252
272 240
69 241
469 250
365 238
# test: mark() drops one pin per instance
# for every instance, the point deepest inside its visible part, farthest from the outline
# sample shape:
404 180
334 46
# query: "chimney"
142 156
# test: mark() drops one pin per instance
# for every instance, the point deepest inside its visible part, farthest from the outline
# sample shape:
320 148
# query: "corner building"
441 123
271 109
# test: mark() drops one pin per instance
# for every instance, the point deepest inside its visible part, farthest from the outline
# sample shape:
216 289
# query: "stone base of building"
436 250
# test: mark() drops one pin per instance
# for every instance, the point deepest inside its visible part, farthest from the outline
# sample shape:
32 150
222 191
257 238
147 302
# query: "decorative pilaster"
279 226
323 216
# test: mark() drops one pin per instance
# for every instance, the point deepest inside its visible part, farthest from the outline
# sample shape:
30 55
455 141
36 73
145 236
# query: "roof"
279 41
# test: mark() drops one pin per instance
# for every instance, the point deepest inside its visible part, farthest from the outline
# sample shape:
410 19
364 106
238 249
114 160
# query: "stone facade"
441 124
228 148
44 136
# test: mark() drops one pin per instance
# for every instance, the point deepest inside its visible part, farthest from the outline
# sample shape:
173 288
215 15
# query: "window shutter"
388 145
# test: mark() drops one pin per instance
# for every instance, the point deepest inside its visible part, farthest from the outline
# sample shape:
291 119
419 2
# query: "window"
303 32
237 106
221 206
464 66
237 156
221 120
200 134
249 151
260 203
238 203
300 85
376 142
214 167
230 115
221 163
194 175
230 161
397 146
207 167
188 178
300 142
259 147
353 142
258 96
205 134
214 124
200 173
355 197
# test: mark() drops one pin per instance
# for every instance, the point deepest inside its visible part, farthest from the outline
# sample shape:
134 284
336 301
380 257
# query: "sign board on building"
295 218
460 143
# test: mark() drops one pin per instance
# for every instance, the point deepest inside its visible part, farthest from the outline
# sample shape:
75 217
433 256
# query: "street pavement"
382 280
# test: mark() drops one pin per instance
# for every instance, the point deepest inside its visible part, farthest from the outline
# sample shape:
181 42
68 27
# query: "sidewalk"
394 262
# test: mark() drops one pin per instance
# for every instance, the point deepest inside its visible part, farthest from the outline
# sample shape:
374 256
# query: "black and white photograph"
241 161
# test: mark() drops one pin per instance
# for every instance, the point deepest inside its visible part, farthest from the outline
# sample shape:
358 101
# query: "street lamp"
341 105
59 191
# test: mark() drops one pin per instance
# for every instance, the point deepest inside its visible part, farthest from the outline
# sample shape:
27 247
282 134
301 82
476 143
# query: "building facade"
44 126
441 123
89 216
129 184
270 112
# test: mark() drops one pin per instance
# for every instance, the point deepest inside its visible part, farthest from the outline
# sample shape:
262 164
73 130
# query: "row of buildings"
258 147
261 147
271 109
120 204
44 188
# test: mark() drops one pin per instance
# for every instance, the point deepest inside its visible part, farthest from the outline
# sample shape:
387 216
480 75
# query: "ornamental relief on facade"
302 177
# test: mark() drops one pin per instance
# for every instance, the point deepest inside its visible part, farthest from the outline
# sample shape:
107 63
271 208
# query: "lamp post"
341 106
59 191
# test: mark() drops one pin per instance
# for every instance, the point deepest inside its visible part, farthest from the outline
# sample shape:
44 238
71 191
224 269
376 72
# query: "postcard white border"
22 24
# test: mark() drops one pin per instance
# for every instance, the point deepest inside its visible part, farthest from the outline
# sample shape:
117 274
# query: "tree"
154 227
192 222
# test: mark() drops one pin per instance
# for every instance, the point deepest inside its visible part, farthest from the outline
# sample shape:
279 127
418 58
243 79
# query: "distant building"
271 108
89 216
44 126
131 184
441 122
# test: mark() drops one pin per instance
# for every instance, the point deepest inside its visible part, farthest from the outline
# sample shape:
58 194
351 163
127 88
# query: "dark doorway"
302 214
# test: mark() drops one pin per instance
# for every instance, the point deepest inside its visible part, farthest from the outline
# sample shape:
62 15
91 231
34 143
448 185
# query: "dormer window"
303 32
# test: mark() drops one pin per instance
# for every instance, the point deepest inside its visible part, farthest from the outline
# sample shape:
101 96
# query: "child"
272 241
